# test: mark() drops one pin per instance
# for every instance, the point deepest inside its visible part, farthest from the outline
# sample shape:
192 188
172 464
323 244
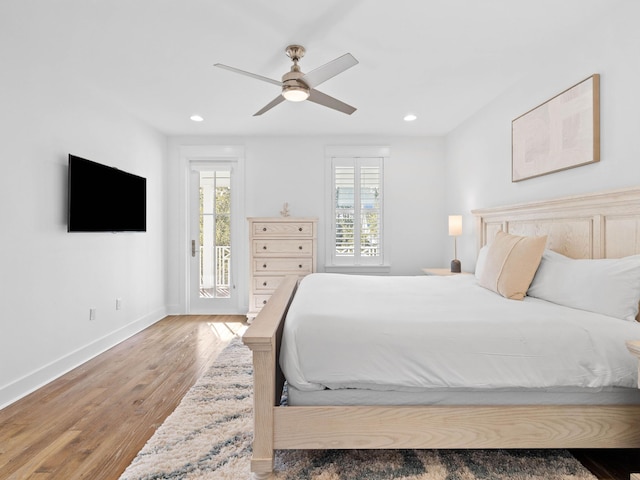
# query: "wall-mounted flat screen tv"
105 199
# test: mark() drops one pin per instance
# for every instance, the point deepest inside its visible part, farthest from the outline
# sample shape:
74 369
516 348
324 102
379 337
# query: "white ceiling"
440 59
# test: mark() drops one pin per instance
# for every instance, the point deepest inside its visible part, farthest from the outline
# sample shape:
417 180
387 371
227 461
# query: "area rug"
209 436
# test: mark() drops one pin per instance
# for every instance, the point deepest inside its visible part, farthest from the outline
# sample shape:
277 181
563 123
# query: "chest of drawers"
280 246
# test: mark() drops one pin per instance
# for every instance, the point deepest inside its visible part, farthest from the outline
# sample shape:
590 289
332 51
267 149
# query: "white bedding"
417 333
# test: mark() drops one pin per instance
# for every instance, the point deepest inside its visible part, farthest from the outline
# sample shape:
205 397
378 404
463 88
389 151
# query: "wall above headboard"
597 225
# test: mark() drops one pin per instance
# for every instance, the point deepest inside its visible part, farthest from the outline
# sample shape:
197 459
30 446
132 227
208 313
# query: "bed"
595 415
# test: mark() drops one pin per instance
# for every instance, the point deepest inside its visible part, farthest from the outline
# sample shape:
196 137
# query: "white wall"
292 169
478 153
49 279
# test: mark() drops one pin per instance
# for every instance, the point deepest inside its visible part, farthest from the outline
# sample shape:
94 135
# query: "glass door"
212 263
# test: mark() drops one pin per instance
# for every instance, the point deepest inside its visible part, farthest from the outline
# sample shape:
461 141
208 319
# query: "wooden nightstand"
442 272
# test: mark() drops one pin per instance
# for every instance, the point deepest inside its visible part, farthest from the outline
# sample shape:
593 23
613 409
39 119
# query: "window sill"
362 269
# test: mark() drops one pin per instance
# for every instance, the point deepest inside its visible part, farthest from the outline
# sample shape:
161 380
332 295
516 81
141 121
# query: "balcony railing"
215 271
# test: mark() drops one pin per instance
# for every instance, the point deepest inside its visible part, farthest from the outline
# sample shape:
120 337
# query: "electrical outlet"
118 304
92 314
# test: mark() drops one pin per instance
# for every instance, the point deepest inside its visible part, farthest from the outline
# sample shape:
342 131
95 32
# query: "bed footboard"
263 338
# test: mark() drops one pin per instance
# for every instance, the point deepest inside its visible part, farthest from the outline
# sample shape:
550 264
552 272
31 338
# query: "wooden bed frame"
602 225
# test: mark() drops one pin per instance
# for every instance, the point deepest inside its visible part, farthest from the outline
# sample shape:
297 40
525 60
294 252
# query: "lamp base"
456 267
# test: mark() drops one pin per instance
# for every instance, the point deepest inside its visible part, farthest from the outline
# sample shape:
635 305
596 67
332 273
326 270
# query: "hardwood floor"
613 464
91 422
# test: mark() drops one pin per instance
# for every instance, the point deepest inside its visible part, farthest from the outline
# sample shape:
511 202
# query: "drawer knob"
264 284
264 248
299 229
264 302
300 247
264 229
264 266
299 266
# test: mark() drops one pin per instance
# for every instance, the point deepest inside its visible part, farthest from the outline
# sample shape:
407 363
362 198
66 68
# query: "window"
356 236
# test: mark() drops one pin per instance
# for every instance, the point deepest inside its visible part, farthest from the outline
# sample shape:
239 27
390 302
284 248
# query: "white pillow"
609 286
482 258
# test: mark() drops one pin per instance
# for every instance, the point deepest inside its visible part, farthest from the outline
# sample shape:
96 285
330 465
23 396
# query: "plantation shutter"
357 209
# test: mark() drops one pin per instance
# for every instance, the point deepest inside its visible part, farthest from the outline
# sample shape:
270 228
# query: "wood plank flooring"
610 464
91 422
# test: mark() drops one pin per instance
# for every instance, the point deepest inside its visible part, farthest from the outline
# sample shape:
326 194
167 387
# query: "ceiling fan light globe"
295 94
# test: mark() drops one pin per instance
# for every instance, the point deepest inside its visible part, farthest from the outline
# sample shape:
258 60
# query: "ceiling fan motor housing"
294 89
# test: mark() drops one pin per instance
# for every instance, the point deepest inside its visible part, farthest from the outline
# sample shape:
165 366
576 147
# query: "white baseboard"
31 382
174 310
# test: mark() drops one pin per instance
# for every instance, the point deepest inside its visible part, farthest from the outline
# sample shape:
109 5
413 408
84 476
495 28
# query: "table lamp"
455 229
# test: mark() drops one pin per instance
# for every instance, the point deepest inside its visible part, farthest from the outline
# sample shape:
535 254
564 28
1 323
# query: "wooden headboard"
597 225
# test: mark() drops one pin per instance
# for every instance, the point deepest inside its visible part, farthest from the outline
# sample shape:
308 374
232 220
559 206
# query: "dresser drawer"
264 284
259 301
290 229
283 265
281 246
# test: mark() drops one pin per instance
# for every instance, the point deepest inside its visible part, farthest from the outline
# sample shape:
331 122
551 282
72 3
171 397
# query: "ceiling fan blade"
279 99
323 99
249 74
329 70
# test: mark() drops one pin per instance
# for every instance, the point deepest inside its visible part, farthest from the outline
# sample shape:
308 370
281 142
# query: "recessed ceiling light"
410 117
196 118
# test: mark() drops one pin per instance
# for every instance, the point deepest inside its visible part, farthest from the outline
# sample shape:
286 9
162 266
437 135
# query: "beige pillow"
511 263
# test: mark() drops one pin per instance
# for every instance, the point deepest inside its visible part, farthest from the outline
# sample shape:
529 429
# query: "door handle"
193 248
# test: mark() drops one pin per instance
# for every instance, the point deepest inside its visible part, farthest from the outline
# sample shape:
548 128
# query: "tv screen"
105 199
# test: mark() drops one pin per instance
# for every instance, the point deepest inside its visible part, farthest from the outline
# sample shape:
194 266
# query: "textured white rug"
209 436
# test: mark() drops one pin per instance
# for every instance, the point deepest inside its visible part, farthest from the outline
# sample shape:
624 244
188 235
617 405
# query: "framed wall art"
562 133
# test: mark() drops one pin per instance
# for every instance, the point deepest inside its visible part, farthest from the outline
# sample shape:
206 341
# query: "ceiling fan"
298 86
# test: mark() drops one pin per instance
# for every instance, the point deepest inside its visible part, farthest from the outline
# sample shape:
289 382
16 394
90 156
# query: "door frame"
215 153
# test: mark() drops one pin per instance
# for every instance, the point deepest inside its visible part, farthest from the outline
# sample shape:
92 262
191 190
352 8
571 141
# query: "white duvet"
426 332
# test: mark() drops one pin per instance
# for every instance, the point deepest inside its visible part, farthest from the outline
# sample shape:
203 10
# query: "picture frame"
561 133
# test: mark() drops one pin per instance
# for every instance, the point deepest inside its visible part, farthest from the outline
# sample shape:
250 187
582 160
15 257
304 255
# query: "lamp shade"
455 225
